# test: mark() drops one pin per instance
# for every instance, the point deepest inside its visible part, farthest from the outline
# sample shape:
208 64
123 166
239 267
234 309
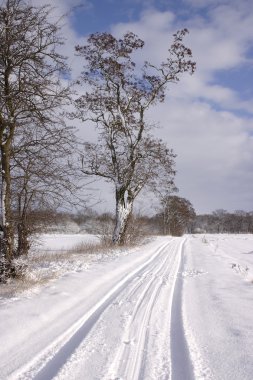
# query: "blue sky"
96 16
207 118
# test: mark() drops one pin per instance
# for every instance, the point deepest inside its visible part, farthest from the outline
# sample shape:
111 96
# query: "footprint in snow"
193 273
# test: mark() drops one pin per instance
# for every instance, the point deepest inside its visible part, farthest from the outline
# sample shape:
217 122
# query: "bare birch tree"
119 95
30 87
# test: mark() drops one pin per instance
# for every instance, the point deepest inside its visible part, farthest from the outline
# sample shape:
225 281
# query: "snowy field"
62 242
175 308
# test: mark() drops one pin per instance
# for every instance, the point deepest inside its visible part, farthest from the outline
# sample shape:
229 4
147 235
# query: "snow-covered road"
161 312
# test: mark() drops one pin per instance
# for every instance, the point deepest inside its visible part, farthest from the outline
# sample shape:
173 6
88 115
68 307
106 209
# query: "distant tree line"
174 218
222 221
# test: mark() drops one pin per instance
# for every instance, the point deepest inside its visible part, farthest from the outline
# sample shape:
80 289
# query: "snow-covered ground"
175 308
218 305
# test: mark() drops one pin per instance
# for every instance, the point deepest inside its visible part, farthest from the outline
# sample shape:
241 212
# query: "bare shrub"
136 231
11 269
93 248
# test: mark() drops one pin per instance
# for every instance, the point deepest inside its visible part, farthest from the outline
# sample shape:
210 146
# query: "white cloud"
215 153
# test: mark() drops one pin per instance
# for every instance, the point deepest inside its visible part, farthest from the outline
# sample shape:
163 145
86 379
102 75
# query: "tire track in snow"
186 360
135 365
130 360
47 364
181 366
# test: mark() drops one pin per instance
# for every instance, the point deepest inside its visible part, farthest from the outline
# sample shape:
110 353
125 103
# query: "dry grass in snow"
44 265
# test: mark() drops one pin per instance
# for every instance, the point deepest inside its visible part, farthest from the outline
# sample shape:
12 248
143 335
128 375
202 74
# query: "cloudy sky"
207 118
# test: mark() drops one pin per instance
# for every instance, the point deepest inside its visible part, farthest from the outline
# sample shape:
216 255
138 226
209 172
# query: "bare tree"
118 97
42 178
177 214
220 216
30 87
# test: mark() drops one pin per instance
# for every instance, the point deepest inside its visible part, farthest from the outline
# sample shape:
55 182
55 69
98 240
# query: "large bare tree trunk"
8 235
23 230
124 207
23 239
